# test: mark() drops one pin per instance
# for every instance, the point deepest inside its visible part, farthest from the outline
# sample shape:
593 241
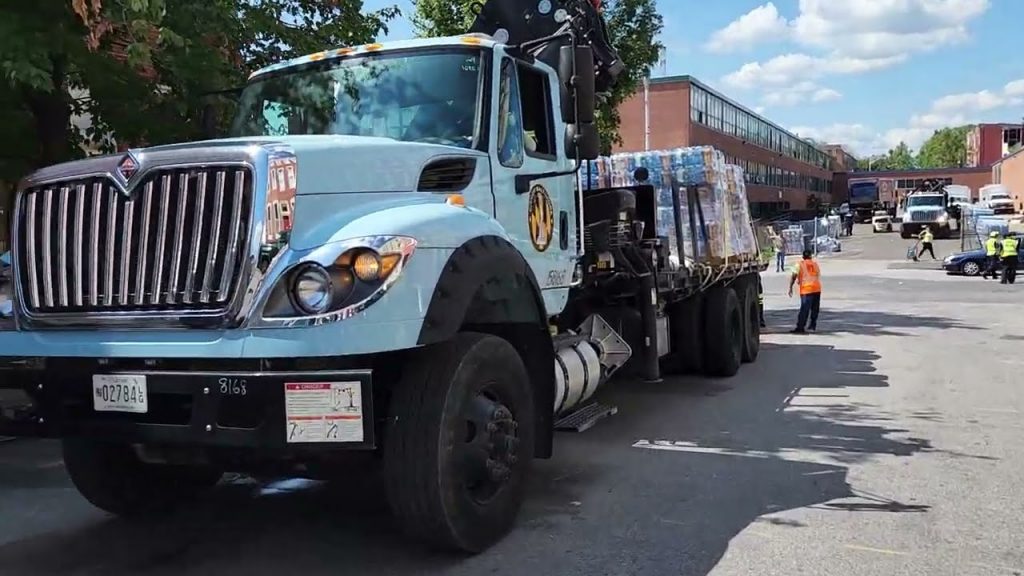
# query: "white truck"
997 197
929 208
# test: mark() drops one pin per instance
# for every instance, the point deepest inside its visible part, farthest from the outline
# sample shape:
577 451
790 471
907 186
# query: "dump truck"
392 261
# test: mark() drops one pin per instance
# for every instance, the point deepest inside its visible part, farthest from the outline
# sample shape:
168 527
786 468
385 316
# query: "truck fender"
487 286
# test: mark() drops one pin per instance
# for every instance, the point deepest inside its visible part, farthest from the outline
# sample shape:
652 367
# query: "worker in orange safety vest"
808 274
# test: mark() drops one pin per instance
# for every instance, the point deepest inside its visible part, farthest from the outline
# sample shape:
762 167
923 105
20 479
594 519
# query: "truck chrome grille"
925 215
176 244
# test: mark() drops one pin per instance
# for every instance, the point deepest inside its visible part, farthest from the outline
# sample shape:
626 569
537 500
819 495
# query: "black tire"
723 332
904 235
971 268
751 323
685 322
435 445
112 478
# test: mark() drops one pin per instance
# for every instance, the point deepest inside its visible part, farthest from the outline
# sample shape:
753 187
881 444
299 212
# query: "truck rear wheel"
685 325
459 441
112 478
723 332
751 323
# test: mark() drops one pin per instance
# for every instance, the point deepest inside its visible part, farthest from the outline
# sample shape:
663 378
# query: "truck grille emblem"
127 167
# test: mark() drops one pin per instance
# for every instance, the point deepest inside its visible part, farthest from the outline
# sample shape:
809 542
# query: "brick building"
988 143
1009 172
842 161
783 171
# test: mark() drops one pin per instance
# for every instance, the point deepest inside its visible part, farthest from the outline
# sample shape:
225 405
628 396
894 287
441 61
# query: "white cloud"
825 95
761 24
844 37
884 28
799 92
857 138
1014 89
788 69
943 112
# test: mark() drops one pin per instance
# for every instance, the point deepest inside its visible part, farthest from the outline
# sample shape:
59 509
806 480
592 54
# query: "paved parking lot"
887 444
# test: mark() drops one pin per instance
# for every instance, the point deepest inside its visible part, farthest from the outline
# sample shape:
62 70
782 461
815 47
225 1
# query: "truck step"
584 418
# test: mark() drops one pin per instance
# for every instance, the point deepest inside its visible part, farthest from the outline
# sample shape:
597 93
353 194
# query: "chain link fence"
820 235
976 223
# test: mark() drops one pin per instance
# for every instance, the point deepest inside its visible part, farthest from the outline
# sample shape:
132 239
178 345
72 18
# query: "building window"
1011 136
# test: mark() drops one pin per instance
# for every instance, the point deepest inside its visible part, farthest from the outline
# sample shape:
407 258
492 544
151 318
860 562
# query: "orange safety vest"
809 276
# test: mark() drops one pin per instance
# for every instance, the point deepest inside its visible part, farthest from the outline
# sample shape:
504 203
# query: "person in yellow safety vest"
926 238
992 247
808 274
1009 253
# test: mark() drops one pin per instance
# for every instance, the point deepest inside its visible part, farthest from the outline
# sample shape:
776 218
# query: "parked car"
881 222
970 263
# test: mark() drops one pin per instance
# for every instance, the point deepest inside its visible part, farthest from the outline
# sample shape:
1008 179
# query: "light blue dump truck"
393 255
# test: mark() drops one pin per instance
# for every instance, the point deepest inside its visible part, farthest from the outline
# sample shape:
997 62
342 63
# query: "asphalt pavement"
888 443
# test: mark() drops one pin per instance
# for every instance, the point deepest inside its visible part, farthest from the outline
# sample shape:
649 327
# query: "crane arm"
547 25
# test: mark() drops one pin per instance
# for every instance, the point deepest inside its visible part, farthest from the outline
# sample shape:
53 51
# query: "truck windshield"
916 201
415 97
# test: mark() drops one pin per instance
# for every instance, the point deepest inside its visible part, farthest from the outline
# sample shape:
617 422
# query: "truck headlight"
311 289
338 280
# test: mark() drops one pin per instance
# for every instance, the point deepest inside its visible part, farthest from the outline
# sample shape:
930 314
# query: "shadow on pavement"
866 323
719 456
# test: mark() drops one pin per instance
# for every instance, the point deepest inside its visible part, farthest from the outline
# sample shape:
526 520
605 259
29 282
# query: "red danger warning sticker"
323 412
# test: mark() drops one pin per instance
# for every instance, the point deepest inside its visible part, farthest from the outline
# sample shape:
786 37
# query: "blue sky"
864 73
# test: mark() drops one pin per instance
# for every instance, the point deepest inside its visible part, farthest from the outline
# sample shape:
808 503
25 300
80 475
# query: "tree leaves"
633 28
946 148
139 71
899 158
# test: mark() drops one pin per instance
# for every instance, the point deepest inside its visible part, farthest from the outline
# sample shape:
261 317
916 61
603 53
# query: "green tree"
139 68
901 157
633 28
946 148
433 18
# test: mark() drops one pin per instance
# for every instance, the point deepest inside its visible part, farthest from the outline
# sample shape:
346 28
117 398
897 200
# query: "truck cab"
391 255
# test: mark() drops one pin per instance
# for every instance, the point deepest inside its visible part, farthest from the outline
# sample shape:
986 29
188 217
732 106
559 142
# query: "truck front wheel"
459 441
112 478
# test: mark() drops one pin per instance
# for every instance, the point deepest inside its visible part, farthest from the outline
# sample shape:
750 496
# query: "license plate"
119 393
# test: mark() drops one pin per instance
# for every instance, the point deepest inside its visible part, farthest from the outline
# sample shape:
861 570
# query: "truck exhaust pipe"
585 360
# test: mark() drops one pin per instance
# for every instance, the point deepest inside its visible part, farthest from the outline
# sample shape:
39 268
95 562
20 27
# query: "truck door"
533 202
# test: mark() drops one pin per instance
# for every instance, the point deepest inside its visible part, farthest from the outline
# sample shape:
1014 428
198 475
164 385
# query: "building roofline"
841 147
1008 156
918 171
691 80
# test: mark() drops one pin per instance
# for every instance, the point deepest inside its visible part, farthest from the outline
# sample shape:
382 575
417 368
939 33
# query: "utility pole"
647 112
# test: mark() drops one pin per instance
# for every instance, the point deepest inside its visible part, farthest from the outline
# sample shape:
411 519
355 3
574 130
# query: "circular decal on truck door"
541 218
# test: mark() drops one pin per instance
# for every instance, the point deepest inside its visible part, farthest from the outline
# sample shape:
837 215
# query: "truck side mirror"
582 141
577 93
